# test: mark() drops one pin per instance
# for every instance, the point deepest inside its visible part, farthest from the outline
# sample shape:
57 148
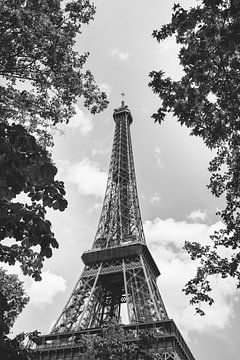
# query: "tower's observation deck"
122 113
117 253
120 272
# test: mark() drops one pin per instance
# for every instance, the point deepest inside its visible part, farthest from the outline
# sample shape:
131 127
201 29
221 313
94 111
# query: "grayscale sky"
171 169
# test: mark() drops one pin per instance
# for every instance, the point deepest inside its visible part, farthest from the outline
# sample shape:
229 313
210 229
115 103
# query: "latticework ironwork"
119 271
167 356
120 220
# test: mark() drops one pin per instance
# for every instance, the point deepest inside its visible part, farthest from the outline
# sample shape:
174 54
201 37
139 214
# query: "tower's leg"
78 307
143 299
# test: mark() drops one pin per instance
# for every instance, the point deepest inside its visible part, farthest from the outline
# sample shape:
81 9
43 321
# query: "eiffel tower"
119 276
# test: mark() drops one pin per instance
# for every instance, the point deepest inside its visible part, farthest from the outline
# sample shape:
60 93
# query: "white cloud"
155 198
175 274
120 55
197 215
42 292
100 149
96 207
88 177
81 121
158 154
168 44
166 238
169 231
123 56
106 88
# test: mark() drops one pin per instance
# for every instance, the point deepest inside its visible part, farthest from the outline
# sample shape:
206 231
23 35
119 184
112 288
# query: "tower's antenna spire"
123 96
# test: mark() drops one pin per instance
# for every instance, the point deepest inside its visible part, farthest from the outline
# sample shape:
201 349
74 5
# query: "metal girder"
167 356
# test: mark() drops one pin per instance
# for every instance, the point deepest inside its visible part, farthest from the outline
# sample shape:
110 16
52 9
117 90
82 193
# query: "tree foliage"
115 344
37 54
26 167
207 100
42 77
12 301
15 295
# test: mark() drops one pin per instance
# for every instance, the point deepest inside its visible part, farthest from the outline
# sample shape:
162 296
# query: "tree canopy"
115 344
12 301
15 297
43 72
25 167
207 101
42 77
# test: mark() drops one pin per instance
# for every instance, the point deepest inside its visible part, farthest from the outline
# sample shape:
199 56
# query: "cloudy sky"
172 175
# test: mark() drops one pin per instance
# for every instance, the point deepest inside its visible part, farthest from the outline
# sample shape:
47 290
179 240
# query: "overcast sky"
171 169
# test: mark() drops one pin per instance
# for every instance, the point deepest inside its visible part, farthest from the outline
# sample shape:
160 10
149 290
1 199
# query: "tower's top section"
120 220
122 112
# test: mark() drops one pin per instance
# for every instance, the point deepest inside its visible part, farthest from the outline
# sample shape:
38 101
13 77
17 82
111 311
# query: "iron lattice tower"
119 269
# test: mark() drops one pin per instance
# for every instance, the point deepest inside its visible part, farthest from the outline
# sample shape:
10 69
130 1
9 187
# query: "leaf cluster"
115 344
15 298
12 301
16 349
25 167
207 101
